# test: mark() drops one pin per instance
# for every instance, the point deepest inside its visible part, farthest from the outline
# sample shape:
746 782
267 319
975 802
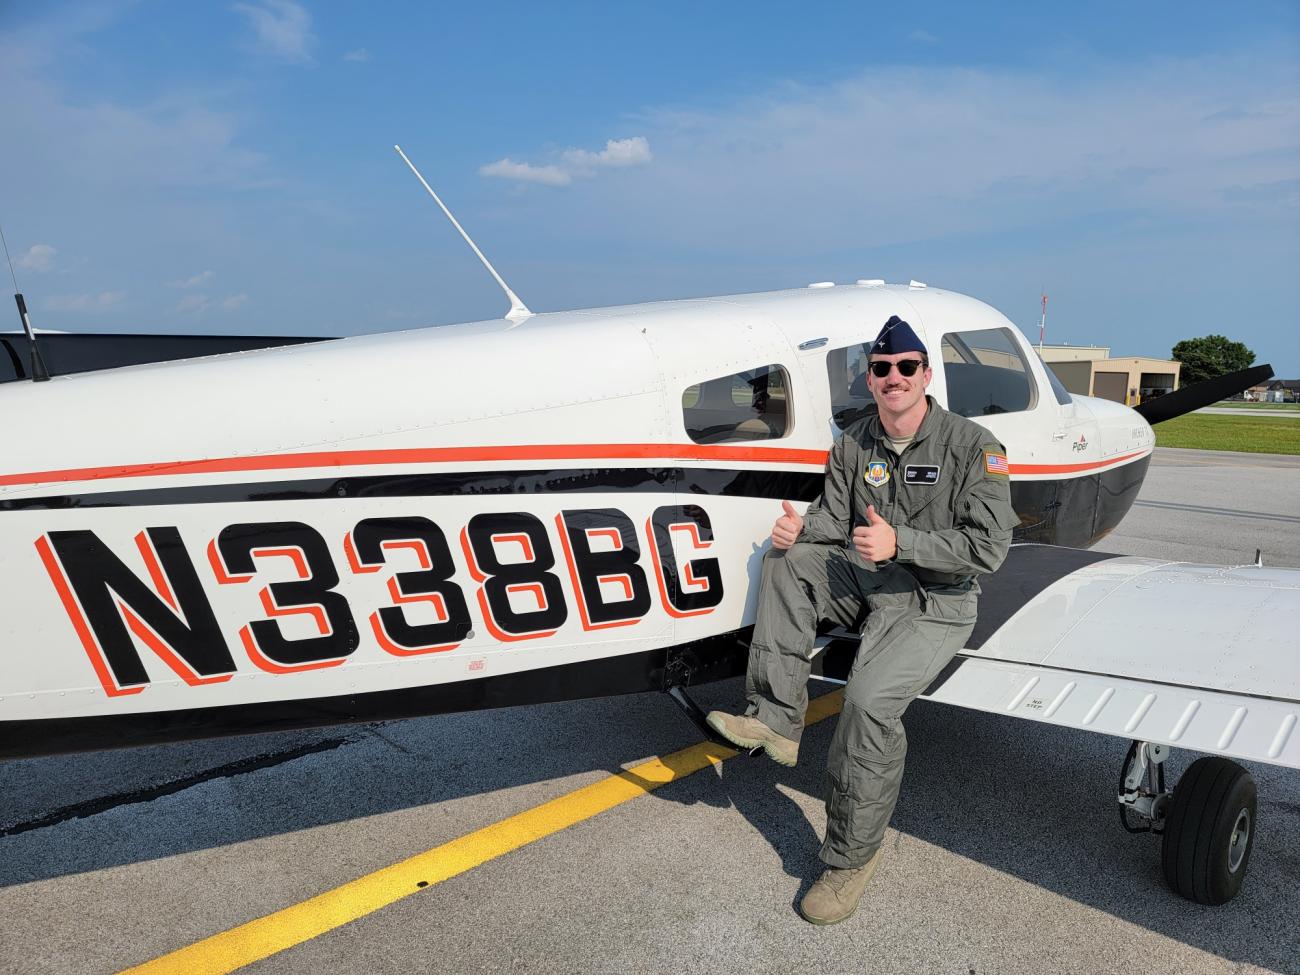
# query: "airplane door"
732 399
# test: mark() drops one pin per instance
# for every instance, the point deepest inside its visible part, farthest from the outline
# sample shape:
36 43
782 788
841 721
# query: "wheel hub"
1240 840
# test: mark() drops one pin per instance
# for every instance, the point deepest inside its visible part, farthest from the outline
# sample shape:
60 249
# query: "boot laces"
838 879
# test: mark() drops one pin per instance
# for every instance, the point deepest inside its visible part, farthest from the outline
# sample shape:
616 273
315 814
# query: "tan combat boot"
749 732
835 896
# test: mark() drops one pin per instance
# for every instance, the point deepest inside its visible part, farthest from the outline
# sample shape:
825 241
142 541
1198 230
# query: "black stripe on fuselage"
781 485
1071 510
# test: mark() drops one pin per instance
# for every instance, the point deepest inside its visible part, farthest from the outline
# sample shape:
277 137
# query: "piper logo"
1081 444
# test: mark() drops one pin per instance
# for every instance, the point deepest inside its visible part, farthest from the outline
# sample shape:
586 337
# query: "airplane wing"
1199 657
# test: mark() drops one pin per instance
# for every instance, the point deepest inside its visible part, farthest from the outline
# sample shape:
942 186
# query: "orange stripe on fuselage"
426 455
447 455
1075 468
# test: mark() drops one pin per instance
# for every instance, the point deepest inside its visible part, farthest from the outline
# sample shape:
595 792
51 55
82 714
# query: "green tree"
1210 356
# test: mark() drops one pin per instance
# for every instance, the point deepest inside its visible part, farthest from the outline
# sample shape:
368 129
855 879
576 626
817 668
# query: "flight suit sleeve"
982 521
828 519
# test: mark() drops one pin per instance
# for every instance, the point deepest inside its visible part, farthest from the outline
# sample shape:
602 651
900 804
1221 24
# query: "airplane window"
847 371
1058 388
986 372
751 405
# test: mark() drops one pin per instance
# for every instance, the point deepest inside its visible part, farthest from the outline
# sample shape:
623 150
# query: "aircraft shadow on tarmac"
1034 802
1038 803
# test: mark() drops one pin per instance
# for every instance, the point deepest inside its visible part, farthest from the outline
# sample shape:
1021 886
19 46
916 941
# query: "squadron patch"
877 474
996 463
921 474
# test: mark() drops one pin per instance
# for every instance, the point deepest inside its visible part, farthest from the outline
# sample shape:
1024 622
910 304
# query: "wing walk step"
1250 728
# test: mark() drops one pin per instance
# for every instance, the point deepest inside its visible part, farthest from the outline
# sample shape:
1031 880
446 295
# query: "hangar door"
1110 385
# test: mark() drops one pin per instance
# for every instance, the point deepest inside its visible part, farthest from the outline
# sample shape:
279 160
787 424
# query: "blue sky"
228 167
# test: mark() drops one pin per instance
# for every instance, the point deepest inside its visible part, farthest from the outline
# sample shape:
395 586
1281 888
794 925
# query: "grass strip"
1245 434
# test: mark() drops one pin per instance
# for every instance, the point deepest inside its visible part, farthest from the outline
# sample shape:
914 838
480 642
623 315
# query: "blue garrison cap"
897 336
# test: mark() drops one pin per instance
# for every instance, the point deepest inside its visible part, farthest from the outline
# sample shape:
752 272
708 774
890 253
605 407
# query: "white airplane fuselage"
461 516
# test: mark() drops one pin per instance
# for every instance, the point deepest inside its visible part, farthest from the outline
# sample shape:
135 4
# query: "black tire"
1202 841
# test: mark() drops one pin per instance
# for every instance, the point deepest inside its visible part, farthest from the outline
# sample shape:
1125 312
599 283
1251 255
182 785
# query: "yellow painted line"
266 936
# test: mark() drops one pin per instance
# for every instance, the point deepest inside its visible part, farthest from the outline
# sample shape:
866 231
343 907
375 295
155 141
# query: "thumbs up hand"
787 527
875 541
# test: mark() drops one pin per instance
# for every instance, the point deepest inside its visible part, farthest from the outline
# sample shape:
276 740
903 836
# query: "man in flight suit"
915 504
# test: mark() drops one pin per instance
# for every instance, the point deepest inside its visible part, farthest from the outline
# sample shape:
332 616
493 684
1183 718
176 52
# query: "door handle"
1060 435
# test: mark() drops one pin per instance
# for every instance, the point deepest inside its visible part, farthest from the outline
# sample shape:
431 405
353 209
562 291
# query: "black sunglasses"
906 367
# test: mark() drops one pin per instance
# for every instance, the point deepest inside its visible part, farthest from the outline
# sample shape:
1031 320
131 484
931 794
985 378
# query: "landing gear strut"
1207 823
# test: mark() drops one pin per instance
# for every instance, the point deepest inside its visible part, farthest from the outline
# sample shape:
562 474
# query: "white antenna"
1042 323
518 310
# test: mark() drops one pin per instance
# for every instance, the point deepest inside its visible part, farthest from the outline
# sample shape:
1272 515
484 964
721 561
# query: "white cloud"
360 55
194 281
193 304
922 37
905 154
617 152
526 172
281 29
108 148
84 302
132 163
198 304
39 258
573 163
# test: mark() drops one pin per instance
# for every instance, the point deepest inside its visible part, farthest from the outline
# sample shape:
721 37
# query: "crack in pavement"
92 807
1229 512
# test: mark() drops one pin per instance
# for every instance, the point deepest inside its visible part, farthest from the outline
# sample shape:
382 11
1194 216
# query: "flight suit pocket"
990 518
889 616
953 605
863 774
853 807
928 507
945 626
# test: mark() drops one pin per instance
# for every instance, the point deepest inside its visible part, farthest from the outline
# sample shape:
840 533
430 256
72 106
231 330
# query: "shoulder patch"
995 463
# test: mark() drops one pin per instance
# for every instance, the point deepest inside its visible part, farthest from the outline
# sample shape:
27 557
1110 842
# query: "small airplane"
563 505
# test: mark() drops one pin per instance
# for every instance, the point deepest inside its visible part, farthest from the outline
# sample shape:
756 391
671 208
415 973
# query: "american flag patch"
996 463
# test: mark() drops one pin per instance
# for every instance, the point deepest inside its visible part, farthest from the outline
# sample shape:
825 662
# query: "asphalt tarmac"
1005 854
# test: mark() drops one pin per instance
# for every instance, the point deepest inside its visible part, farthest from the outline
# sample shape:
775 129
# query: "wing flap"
1255 729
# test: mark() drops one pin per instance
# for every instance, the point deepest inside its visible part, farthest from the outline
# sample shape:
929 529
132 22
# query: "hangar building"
1089 370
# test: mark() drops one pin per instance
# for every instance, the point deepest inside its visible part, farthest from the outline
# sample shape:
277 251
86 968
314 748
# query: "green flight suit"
949 503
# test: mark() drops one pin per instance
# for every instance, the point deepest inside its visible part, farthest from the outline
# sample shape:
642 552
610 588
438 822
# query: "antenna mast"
40 374
518 310
1042 326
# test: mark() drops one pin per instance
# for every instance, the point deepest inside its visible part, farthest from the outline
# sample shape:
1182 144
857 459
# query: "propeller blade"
1200 394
